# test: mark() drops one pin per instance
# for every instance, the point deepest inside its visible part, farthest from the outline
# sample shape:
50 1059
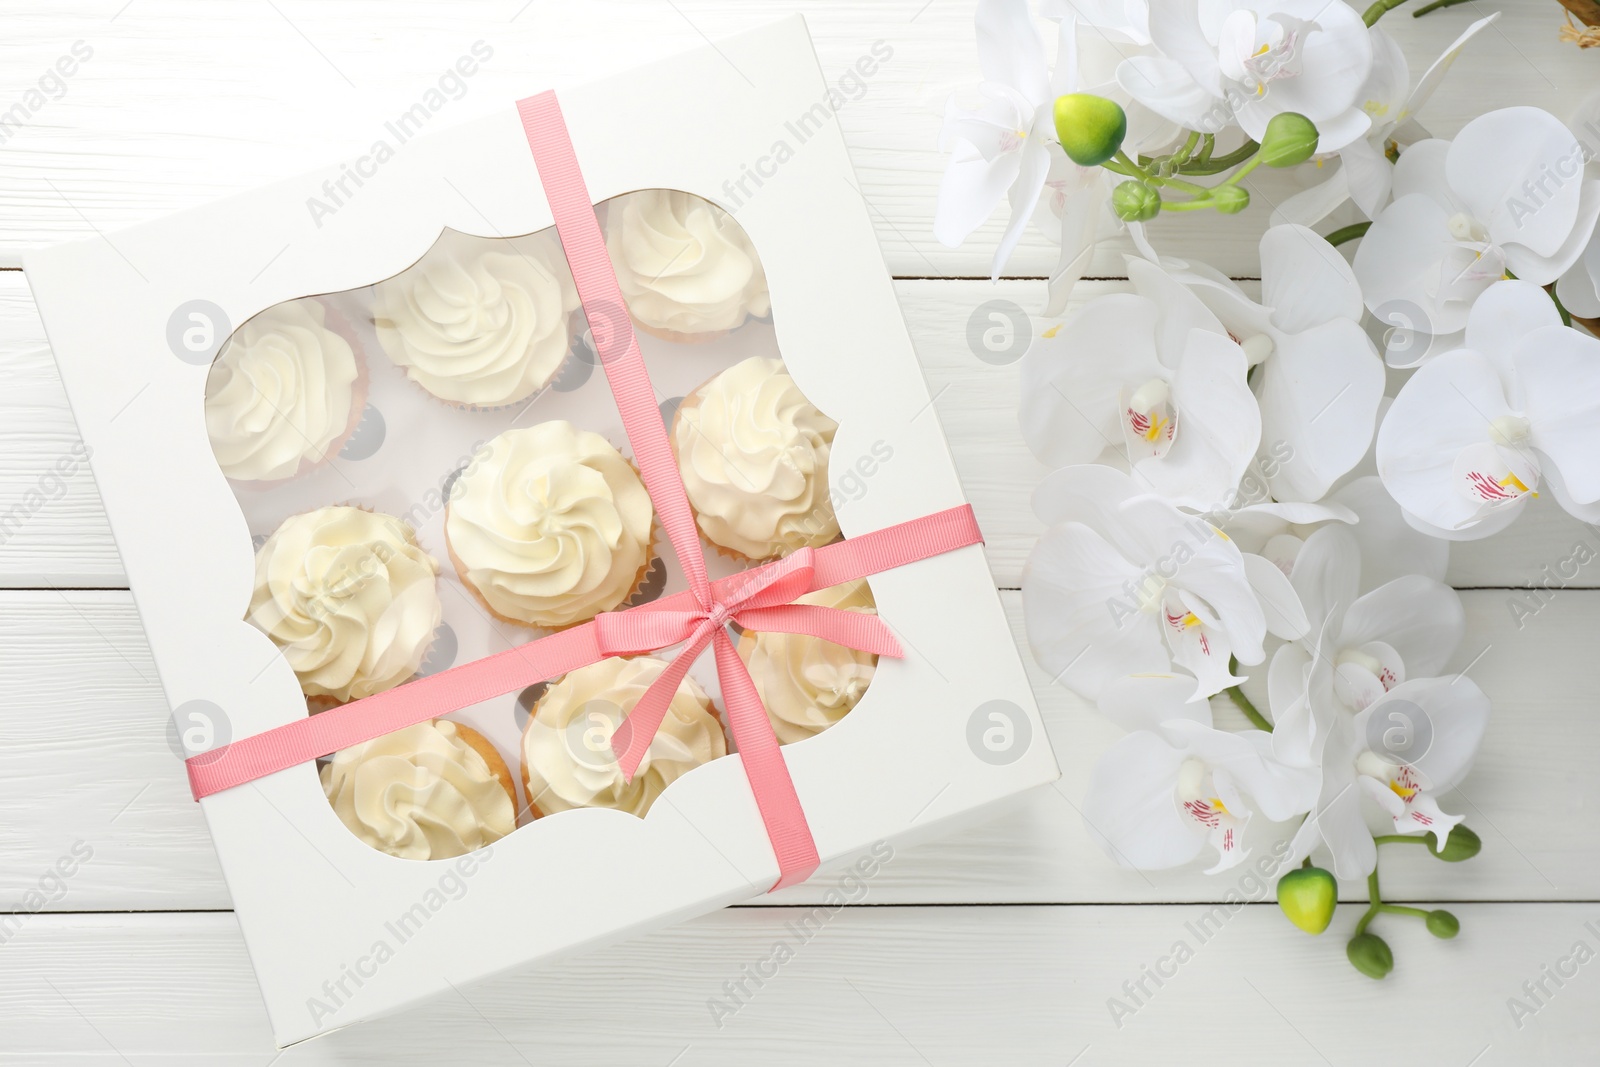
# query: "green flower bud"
1135 202
1091 128
1290 139
1462 844
1308 896
1370 955
1230 199
1442 924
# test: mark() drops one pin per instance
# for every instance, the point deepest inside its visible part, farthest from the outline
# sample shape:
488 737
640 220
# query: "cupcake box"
387 874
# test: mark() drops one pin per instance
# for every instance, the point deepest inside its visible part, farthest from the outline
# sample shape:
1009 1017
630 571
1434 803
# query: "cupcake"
283 395
349 598
477 322
686 269
428 792
567 760
550 526
808 684
753 454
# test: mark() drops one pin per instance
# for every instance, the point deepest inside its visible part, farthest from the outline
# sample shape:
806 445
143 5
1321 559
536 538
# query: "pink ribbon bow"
762 602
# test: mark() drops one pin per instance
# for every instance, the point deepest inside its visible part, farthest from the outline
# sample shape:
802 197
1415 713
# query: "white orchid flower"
1359 645
1508 194
1365 174
1474 433
1223 61
1151 377
1162 794
1319 380
1412 744
1124 583
1003 149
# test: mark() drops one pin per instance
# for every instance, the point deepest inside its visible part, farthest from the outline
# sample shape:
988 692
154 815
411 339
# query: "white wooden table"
999 946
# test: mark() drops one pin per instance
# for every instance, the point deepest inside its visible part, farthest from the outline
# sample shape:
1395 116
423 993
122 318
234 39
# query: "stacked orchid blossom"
1253 498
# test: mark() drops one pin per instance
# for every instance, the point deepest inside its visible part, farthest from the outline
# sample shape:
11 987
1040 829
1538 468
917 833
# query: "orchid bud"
1230 199
1370 955
1135 202
1091 128
1462 844
1308 896
1290 139
1442 924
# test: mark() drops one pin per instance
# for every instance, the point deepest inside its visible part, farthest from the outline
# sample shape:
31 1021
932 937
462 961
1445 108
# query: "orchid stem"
1242 702
1374 907
1348 233
1566 316
1401 909
1207 144
1382 7
1421 11
1209 165
1236 176
1191 188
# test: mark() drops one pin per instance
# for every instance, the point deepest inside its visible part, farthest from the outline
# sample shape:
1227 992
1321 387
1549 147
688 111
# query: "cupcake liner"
680 337
334 322
650 558
509 405
711 708
573 322
692 400
316 703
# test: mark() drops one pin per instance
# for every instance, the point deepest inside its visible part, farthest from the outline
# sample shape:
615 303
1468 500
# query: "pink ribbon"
761 598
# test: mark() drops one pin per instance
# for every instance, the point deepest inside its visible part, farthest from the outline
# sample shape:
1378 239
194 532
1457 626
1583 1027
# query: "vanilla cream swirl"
349 598
808 684
421 793
476 324
683 264
550 525
567 760
753 453
280 393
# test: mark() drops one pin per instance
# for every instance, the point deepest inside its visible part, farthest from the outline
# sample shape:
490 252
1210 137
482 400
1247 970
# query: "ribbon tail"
860 630
764 766
633 737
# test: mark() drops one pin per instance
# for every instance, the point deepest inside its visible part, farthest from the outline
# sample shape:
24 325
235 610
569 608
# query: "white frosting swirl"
550 525
479 322
684 265
421 793
808 684
280 392
349 597
753 453
567 760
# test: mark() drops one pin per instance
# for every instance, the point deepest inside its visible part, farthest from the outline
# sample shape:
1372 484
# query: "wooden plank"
86 757
1027 985
181 103
67 542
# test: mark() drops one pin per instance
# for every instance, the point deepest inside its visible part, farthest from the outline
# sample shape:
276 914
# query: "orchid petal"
1130 807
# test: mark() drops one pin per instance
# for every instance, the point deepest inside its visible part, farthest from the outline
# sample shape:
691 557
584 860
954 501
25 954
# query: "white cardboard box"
338 932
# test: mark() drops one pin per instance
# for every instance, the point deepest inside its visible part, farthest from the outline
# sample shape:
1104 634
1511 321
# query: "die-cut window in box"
432 471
